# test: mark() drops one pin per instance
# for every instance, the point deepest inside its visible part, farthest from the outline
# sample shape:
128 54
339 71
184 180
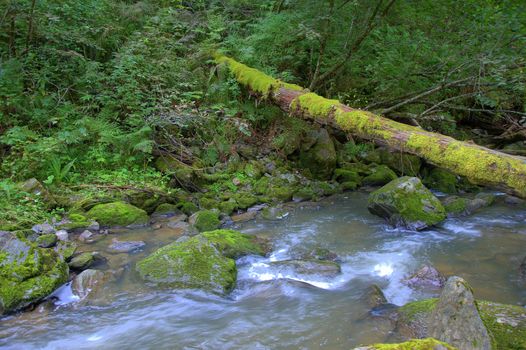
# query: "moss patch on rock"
506 323
379 176
233 244
27 273
195 263
206 220
118 214
407 202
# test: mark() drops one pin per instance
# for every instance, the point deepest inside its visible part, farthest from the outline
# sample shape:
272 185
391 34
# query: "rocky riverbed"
303 278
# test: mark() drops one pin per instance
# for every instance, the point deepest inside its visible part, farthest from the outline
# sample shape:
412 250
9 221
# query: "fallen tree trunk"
480 165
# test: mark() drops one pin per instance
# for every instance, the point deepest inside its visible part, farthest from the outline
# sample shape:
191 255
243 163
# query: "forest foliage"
93 88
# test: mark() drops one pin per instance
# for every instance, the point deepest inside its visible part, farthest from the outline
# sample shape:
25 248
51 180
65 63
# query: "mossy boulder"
187 207
195 263
320 159
261 186
379 176
456 206
462 206
166 210
47 241
208 203
403 163
281 193
75 221
118 214
414 344
234 244
205 220
228 206
408 203
245 200
66 249
303 194
347 175
441 180
254 169
81 261
27 273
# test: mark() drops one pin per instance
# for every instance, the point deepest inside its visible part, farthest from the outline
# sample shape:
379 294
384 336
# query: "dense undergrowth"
93 93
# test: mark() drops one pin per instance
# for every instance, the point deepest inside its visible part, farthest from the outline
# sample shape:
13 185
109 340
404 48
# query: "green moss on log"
256 80
479 165
415 344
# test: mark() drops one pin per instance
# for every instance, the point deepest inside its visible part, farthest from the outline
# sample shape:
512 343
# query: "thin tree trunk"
30 25
480 165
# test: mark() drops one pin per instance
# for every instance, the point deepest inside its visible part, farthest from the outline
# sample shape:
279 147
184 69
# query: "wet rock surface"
307 267
118 246
456 320
427 277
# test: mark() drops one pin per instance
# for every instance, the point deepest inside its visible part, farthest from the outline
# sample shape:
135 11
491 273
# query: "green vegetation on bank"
105 101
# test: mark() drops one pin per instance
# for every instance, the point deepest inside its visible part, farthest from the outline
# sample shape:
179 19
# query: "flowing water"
277 309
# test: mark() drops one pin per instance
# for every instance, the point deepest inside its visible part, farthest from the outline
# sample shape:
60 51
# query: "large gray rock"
456 319
408 203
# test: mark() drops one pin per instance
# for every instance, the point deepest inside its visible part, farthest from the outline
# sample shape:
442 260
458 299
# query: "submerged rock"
118 214
89 283
193 263
456 320
117 246
426 277
247 216
415 344
27 273
274 213
374 297
308 267
407 202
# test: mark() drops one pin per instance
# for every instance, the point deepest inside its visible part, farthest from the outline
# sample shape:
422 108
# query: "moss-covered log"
480 165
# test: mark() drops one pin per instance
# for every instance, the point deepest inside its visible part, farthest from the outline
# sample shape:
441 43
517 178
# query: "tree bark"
478 164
